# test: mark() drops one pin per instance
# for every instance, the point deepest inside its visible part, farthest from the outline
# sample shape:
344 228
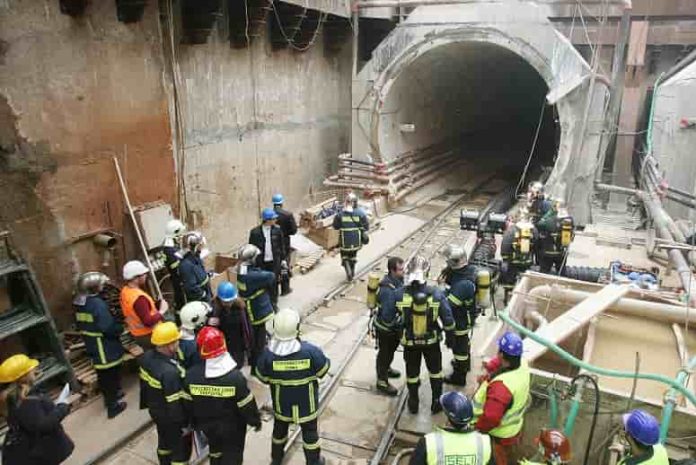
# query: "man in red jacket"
502 397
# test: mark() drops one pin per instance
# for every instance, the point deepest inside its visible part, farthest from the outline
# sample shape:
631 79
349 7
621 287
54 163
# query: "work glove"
163 307
258 426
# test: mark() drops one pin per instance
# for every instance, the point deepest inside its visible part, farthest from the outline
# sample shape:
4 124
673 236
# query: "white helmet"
133 269
455 256
417 270
194 315
248 253
286 324
174 229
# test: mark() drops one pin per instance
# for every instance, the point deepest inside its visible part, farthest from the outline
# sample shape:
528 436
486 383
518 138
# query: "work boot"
435 407
456 379
352 268
113 412
120 394
413 403
349 271
392 373
386 388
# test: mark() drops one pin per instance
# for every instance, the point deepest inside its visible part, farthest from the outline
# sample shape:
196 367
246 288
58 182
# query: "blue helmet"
278 199
510 344
642 427
268 214
457 407
226 291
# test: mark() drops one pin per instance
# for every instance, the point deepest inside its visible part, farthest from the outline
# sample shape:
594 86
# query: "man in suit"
286 221
268 238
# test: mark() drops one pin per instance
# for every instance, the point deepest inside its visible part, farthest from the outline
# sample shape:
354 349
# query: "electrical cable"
594 415
290 41
534 143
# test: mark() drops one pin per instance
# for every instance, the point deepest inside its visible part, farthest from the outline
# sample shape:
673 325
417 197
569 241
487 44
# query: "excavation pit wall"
474 79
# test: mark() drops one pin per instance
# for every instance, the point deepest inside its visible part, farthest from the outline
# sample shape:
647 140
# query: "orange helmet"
211 342
556 446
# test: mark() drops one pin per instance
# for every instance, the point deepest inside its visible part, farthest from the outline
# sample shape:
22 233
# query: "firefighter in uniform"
387 324
352 224
642 433
171 250
162 393
221 404
517 250
101 333
421 306
554 446
194 316
556 232
293 369
195 279
500 403
461 294
457 444
537 203
255 287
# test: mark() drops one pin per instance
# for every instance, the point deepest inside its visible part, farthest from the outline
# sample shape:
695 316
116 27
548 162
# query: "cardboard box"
325 237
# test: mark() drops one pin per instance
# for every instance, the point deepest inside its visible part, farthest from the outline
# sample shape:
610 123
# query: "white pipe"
534 317
643 308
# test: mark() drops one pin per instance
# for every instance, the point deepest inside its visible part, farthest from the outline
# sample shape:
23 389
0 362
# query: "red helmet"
211 343
556 446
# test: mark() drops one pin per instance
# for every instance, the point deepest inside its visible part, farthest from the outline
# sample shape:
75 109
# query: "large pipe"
635 307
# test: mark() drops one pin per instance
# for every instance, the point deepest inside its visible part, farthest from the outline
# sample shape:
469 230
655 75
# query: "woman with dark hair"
35 435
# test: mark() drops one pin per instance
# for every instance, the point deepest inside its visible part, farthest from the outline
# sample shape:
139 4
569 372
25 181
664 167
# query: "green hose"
573 414
671 400
553 406
676 385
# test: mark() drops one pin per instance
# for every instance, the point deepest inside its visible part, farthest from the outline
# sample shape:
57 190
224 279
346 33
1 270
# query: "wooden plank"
574 319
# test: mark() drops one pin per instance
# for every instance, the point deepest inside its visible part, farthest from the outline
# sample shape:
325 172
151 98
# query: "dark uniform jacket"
286 221
35 435
100 331
254 287
172 261
195 279
162 389
223 399
351 226
539 208
508 251
462 298
420 321
550 235
387 318
294 381
234 324
188 353
257 238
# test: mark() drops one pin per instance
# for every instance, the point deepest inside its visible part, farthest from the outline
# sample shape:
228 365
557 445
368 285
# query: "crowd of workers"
190 377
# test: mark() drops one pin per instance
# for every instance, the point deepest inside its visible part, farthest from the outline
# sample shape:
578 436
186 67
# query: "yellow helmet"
15 367
165 333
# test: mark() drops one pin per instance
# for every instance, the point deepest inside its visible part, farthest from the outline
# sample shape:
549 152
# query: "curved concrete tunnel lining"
478 96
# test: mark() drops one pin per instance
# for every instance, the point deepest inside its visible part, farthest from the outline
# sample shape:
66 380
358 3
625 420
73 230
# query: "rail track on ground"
356 421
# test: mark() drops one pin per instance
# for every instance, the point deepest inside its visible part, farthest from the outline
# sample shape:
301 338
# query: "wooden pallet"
308 262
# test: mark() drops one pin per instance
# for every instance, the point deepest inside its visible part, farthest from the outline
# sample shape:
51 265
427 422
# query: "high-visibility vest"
659 457
135 325
517 382
451 448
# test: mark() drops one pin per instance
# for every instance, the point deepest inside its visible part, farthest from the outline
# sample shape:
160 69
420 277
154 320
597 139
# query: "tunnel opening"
479 101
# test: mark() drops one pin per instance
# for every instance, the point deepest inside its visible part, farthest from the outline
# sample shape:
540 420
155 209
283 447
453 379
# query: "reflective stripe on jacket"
457 448
135 325
253 287
658 457
100 332
517 382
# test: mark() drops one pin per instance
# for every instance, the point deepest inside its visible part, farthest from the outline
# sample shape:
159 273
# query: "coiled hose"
584 273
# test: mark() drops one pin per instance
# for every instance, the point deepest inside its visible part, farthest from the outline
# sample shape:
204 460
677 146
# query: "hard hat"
194 315
556 446
268 214
418 269
133 269
286 324
195 238
455 256
536 187
278 199
457 407
642 427
174 228
248 253
351 198
211 343
510 344
226 291
165 333
91 282
15 367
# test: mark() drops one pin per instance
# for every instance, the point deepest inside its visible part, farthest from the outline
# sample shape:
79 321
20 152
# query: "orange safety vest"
135 325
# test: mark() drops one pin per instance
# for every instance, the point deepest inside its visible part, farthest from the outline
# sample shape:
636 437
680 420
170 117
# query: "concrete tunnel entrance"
479 99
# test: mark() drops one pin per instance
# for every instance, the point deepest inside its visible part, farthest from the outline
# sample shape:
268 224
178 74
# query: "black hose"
584 273
594 415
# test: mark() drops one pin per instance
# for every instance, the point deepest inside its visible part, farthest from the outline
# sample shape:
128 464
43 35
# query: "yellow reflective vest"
457 448
517 382
659 457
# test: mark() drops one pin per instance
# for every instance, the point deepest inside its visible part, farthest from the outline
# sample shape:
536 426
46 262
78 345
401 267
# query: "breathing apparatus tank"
523 237
566 228
372 287
483 288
